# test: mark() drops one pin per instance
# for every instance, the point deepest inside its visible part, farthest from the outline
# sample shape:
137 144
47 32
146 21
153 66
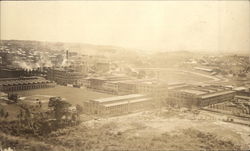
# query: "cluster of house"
234 67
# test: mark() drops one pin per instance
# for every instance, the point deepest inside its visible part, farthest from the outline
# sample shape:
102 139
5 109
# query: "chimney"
67 55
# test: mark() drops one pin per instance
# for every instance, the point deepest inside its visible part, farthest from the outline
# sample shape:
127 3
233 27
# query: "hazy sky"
161 25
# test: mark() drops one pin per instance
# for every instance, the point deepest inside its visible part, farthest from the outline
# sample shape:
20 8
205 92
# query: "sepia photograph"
136 75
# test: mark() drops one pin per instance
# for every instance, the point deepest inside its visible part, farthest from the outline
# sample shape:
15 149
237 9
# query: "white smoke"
65 62
29 65
44 61
23 64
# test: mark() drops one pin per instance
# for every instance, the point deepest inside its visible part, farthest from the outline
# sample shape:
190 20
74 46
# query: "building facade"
199 96
117 105
157 90
65 76
24 83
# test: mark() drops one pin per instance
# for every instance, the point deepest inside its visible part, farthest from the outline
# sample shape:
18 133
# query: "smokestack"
67 55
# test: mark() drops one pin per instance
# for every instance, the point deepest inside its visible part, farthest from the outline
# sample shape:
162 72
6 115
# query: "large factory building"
24 83
65 76
198 96
158 90
117 105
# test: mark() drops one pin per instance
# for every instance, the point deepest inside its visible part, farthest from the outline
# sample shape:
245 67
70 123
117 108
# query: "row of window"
124 107
26 87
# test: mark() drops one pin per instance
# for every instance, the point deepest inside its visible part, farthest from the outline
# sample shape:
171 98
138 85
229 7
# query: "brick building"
24 83
65 76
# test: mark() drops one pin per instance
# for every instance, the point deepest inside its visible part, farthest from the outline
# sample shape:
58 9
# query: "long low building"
125 85
117 105
24 83
199 96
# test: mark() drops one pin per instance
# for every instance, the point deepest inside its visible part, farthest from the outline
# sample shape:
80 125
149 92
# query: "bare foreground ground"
147 130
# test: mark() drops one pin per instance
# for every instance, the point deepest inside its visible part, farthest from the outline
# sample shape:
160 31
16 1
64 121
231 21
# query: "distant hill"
132 56
58 46
112 52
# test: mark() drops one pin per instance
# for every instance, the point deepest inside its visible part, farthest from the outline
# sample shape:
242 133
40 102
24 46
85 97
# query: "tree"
21 114
61 108
2 113
40 104
13 97
53 101
79 109
6 115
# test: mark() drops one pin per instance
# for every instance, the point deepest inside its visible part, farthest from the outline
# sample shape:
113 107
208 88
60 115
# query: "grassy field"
73 95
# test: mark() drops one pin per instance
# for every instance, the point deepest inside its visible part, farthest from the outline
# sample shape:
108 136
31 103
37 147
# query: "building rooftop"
243 97
195 92
126 102
17 81
202 91
240 88
175 83
204 69
131 96
177 86
216 94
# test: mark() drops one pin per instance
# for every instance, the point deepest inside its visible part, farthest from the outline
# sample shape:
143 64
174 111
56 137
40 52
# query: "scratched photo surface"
124 75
